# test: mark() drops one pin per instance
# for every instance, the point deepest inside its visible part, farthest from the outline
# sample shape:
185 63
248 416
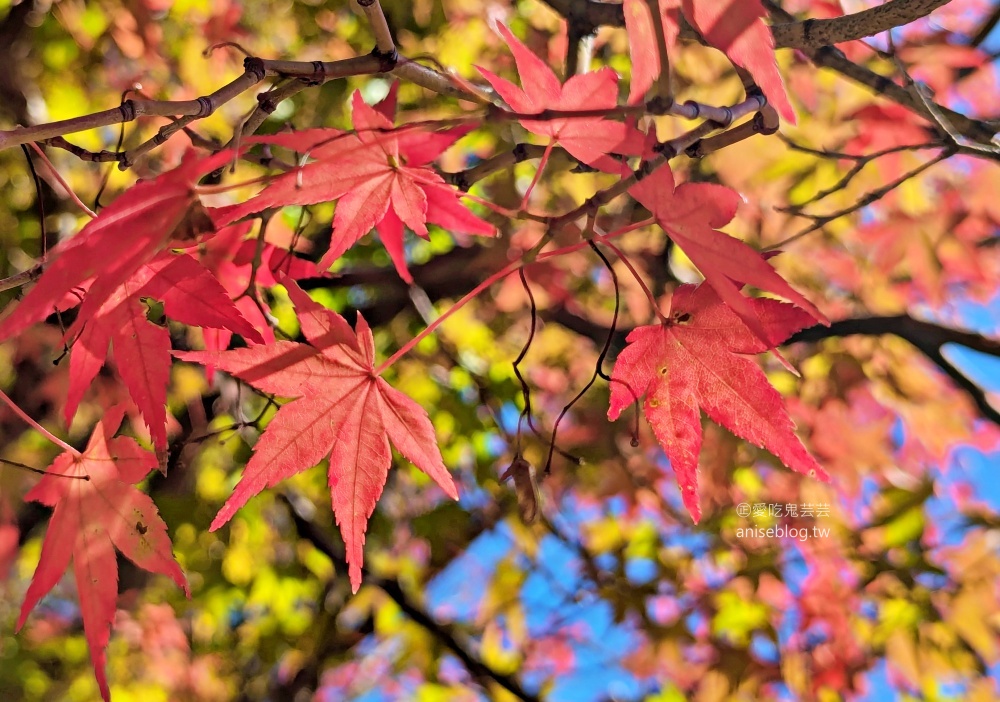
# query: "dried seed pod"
525 487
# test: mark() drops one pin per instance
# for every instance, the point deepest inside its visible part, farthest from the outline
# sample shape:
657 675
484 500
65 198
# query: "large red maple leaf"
97 509
139 224
700 359
589 139
342 410
190 294
689 214
379 176
734 27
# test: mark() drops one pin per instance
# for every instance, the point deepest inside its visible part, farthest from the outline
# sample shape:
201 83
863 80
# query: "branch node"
760 125
727 120
254 65
205 107
127 108
267 105
667 149
647 167
807 29
660 105
387 60
319 74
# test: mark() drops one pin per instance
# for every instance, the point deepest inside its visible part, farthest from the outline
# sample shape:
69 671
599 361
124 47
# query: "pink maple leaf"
698 360
342 411
96 510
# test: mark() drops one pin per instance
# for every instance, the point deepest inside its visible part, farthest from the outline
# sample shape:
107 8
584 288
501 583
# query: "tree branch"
812 34
820 221
307 73
588 15
926 337
986 28
129 110
834 59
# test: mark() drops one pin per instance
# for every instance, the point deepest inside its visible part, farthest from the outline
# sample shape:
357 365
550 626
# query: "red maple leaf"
700 359
689 214
343 410
110 248
590 139
380 177
97 509
190 294
732 26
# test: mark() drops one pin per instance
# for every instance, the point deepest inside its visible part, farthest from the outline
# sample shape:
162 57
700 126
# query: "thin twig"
662 84
820 221
598 367
65 186
38 427
380 28
860 162
525 390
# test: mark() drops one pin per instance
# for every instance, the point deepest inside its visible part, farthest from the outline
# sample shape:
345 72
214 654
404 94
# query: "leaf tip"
354 573
177 575
692 503
222 518
819 474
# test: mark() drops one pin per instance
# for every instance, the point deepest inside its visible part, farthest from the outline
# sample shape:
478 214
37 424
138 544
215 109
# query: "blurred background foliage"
613 594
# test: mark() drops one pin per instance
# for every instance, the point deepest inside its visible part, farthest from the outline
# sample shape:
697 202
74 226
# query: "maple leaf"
342 410
732 26
110 248
380 177
689 214
190 294
589 139
699 359
97 509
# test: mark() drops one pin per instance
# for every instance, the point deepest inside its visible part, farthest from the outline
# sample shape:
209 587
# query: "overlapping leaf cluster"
200 266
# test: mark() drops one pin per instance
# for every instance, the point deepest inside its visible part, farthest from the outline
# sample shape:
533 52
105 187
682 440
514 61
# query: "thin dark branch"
926 337
988 26
820 221
833 58
588 15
